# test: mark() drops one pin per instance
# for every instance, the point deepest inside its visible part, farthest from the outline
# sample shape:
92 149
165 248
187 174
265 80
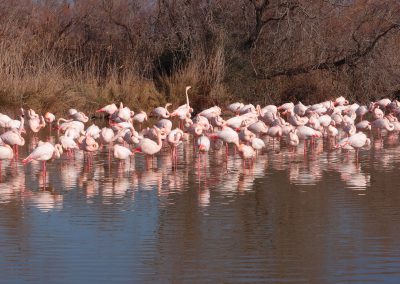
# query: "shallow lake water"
314 218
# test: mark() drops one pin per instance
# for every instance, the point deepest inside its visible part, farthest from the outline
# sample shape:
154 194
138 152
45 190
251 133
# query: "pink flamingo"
174 139
4 119
49 118
382 124
150 147
235 107
161 112
247 153
44 152
293 139
6 153
14 139
106 135
258 128
305 133
68 144
122 153
89 146
257 144
140 117
227 135
109 109
361 112
356 141
35 124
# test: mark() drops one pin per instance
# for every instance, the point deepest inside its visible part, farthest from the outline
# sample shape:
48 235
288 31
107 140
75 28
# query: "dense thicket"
55 54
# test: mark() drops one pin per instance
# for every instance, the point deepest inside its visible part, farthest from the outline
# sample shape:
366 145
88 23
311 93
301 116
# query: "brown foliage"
55 54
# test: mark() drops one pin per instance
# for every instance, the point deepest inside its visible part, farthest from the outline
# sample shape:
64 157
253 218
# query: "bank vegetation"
59 54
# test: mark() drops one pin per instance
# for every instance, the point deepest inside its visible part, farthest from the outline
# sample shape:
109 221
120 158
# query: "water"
319 218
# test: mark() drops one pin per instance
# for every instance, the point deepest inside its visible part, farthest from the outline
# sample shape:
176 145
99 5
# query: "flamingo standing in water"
88 145
122 153
356 141
257 144
174 139
247 153
36 123
6 153
68 144
227 135
49 118
14 139
203 144
293 139
305 133
150 147
106 135
44 152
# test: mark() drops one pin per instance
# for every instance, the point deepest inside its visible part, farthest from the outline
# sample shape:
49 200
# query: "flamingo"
249 108
17 125
258 128
121 152
68 144
300 109
6 153
211 112
247 153
4 119
140 117
382 124
79 116
174 139
306 133
109 109
361 112
332 132
275 131
203 143
89 146
183 111
44 152
164 124
93 130
217 122
363 125
356 141
257 144
13 138
36 123
246 135
227 135
235 107
293 139
150 147
161 112
106 135
49 117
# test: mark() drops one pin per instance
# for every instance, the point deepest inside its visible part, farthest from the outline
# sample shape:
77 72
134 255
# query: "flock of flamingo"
336 122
